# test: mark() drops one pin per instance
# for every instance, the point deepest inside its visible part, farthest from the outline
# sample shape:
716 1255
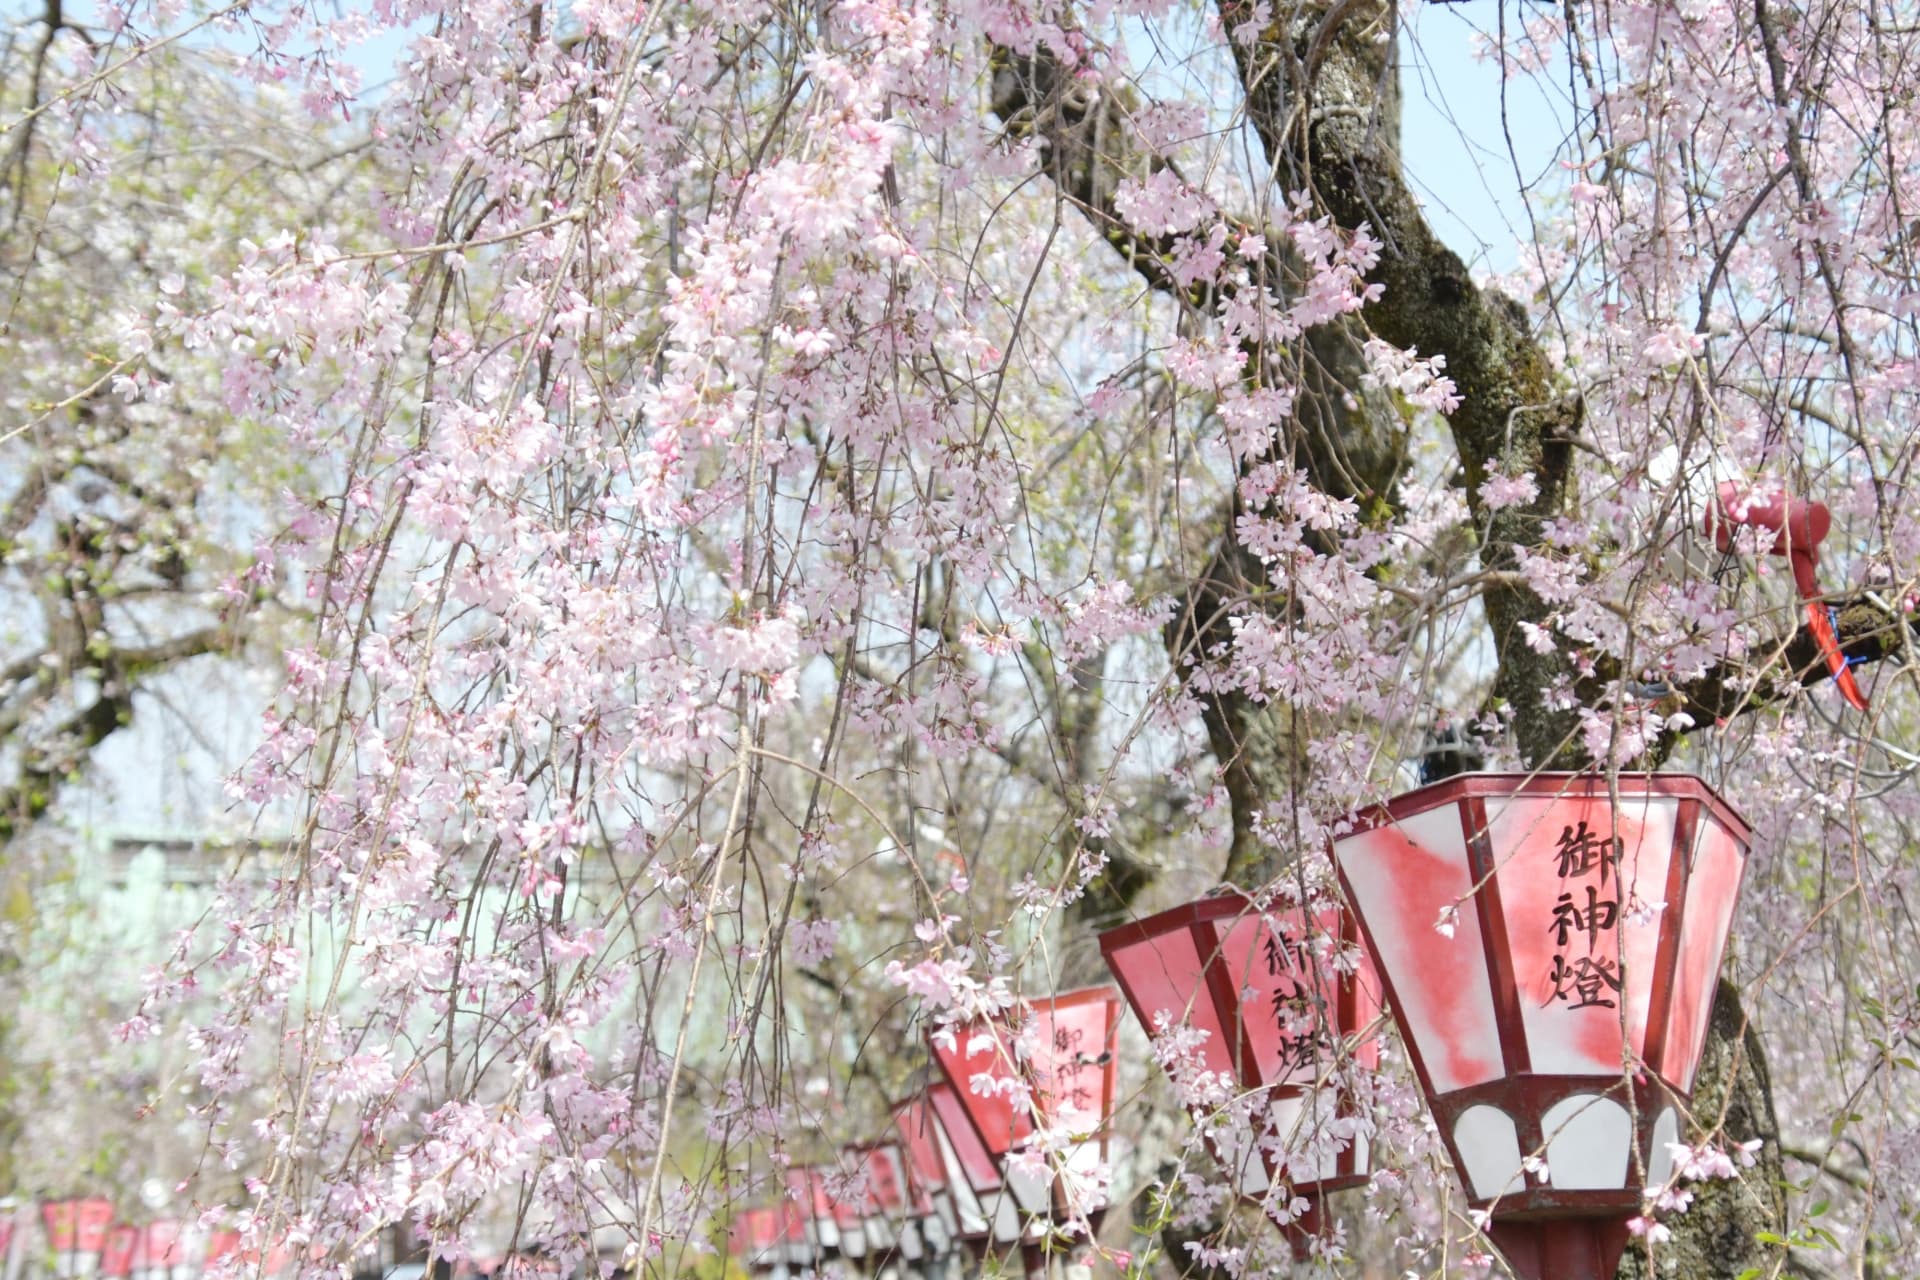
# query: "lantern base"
1562 1248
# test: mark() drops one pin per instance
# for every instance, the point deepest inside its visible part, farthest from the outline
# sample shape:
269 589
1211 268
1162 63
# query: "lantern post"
1549 944
1283 995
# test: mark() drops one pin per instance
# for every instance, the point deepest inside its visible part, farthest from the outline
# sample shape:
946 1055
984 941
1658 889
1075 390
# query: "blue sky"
1456 124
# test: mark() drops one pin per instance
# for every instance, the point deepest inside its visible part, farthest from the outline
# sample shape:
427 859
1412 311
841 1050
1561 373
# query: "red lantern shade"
221 1241
77 1233
1062 1051
1551 959
116 1259
160 1253
1278 993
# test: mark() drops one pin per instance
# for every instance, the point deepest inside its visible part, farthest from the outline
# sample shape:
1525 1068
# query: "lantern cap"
1586 782
1221 902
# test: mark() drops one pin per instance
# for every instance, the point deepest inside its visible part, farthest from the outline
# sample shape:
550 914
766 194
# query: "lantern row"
84 1238
1547 944
952 1173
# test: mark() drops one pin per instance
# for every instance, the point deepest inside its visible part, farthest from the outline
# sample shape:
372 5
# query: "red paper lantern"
77 1233
1060 1049
116 1258
221 1242
1550 957
160 1253
888 1214
807 1189
793 1246
995 1211
928 1168
1280 994
756 1237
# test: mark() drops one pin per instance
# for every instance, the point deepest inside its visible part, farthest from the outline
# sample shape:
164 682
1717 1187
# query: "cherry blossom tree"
133 503
826 507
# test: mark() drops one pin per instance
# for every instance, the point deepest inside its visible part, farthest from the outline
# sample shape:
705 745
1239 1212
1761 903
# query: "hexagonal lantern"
929 1171
1064 1044
754 1237
894 1214
116 1257
807 1189
793 1247
1280 993
1550 945
77 1234
158 1251
997 1216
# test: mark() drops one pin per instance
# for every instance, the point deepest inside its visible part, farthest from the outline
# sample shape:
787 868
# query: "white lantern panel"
1032 1195
1666 1132
1007 1218
1406 879
948 1216
1079 1177
1245 1168
1589 1141
1582 921
971 1214
1489 1147
1313 1153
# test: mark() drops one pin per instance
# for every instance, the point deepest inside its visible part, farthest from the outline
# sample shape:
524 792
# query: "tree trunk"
1717 1238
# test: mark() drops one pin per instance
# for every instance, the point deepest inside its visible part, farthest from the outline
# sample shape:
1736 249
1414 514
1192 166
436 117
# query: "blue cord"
1853 660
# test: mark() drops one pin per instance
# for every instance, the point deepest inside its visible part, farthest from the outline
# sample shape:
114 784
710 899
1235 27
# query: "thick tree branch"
48 762
1349 437
1868 633
1088 147
1322 94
